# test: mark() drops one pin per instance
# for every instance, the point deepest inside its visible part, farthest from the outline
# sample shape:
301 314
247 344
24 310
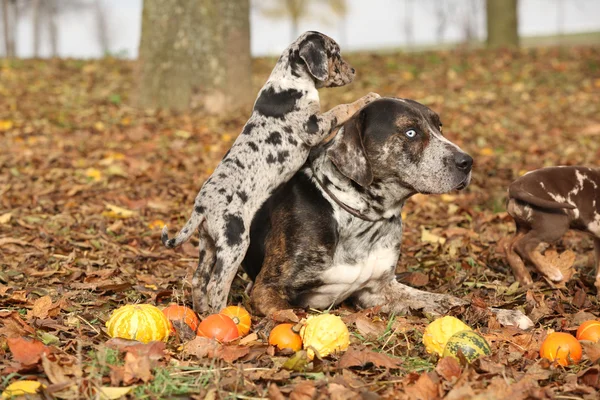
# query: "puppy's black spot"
229 198
243 196
312 125
292 141
199 209
277 104
248 128
222 175
282 156
239 164
288 129
253 146
234 229
218 268
222 191
271 159
274 138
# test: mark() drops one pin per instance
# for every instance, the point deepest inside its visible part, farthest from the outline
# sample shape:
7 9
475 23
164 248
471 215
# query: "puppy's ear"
313 53
347 152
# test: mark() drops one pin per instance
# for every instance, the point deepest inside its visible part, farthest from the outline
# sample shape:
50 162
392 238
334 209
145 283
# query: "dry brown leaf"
362 358
230 353
448 368
27 351
591 349
369 328
200 347
425 388
285 316
304 391
564 262
340 392
274 393
41 308
137 368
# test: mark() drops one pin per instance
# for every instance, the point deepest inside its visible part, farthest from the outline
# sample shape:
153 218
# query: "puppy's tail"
185 233
521 194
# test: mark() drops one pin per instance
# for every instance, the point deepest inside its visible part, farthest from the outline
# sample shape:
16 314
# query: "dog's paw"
370 98
512 318
434 303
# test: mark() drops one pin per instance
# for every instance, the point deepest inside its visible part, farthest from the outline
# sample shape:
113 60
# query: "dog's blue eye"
411 133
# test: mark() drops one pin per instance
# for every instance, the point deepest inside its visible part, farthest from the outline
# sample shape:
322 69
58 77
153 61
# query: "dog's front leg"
398 298
319 126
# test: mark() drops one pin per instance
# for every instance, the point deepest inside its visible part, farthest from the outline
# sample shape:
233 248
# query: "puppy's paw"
512 318
369 98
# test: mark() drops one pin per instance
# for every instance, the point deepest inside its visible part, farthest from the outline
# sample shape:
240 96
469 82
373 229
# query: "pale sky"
370 24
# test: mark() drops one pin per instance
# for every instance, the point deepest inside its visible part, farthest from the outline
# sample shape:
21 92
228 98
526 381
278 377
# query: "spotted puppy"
545 204
333 232
273 146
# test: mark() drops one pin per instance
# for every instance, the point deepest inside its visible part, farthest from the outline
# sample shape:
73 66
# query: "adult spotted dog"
333 232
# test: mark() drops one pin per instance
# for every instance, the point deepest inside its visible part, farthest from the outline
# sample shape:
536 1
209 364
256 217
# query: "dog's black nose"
463 161
352 69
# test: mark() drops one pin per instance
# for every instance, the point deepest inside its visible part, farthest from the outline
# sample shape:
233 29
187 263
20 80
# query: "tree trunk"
52 27
36 28
502 23
9 13
101 28
195 53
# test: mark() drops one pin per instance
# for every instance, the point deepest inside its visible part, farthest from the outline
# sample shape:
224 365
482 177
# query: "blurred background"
94 28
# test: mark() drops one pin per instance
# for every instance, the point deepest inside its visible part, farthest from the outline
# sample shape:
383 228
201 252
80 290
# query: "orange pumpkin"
142 322
175 312
589 330
561 348
219 327
283 336
240 317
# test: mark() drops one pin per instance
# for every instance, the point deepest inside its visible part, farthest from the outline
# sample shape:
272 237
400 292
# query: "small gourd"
439 331
325 333
470 343
240 317
141 322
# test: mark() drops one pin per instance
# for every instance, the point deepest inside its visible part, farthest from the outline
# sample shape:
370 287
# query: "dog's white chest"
343 279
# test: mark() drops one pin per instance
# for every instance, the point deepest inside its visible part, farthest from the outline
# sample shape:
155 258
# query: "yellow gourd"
325 333
439 331
141 322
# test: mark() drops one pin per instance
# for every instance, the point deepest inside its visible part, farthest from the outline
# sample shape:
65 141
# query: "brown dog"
545 204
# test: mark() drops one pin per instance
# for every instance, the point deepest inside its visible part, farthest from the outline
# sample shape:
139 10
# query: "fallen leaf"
137 368
274 393
369 328
564 262
285 316
425 388
5 218
230 353
21 388
154 350
297 362
304 391
591 349
26 351
117 212
41 307
341 392
200 346
113 393
60 372
428 237
362 358
448 368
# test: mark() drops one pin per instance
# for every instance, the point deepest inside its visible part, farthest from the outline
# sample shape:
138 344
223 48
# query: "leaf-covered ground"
87 182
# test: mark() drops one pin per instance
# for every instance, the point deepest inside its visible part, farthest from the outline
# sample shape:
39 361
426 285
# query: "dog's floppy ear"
347 152
313 53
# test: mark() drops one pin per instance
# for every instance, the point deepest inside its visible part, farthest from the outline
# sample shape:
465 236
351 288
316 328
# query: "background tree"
502 23
297 10
9 24
195 52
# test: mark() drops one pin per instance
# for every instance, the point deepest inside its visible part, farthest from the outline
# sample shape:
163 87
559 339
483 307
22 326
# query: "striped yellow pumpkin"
141 322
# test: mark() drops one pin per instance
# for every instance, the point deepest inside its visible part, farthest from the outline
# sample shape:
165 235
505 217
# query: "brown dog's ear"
347 152
312 51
